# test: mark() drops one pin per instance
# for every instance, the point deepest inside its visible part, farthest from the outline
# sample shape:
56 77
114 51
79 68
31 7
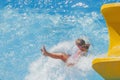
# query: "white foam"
46 68
80 4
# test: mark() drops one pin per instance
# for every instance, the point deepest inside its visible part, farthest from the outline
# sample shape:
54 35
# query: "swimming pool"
27 25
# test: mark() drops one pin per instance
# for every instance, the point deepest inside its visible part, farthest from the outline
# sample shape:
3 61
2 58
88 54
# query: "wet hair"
80 42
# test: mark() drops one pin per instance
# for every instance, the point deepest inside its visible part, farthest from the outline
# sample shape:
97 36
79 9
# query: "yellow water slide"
109 67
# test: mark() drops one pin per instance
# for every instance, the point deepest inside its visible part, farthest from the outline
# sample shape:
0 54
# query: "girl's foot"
43 50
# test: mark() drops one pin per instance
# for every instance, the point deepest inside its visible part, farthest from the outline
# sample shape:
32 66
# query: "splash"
46 68
23 33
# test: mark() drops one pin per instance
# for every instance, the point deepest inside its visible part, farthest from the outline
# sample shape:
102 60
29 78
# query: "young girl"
69 59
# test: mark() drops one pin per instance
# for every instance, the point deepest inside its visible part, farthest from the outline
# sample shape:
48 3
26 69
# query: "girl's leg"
61 56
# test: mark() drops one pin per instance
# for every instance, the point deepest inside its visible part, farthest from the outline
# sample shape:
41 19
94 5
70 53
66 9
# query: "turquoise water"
27 25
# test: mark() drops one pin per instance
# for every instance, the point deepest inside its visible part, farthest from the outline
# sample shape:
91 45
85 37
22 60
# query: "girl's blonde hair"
82 43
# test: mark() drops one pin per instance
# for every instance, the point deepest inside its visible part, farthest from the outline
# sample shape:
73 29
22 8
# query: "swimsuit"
75 57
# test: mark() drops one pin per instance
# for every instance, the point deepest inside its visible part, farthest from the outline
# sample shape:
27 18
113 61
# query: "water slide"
109 67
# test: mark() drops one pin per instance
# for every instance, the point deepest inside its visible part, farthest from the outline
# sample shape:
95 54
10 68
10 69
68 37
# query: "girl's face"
81 47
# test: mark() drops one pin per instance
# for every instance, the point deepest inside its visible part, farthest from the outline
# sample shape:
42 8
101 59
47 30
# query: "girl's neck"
84 50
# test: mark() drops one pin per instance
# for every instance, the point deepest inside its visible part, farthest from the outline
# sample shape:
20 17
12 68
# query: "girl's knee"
64 57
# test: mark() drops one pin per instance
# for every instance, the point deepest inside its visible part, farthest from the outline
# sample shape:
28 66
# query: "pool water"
27 25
